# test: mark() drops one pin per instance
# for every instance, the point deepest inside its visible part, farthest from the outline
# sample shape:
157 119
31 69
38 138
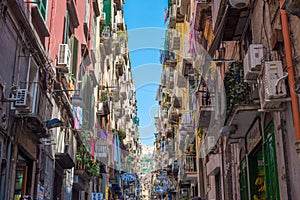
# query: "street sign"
162 177
40 195
97 196
128 177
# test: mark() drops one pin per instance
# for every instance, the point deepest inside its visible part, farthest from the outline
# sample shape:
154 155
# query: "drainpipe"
289 61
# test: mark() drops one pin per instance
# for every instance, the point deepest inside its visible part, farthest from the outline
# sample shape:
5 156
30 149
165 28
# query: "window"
43 7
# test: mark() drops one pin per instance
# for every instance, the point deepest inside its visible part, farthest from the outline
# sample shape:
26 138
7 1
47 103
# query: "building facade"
229 100
62 67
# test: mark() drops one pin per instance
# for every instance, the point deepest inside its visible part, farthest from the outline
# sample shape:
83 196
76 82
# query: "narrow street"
159 99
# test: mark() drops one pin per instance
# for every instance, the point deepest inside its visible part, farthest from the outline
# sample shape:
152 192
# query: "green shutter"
105 27
270 163
43 7
107 10
74 60
243 180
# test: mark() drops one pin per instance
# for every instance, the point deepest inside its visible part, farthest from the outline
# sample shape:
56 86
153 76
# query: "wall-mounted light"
53 123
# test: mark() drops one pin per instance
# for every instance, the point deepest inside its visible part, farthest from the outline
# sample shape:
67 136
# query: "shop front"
258 166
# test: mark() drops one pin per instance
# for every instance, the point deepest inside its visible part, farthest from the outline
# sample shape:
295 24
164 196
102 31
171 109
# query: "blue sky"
145 26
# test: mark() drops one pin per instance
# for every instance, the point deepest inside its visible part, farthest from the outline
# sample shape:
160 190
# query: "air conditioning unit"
252 62
272 87
100 108
103 17
239 4
119 18
23 97
64 55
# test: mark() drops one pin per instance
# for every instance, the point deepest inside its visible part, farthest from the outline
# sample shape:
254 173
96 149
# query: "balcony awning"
64 160
243 116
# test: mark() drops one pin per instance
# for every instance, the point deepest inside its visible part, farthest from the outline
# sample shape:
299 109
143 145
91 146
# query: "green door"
270 163
243 181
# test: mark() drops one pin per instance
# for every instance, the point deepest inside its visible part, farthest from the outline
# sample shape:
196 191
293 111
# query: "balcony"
172 23
206 110
171 62
186 67
235 23
242 100
203 12
190 168
184 7
101 151
35 107
85 166
179 15
187 121
173 117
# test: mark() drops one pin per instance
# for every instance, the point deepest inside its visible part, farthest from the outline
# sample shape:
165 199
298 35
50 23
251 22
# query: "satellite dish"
239 4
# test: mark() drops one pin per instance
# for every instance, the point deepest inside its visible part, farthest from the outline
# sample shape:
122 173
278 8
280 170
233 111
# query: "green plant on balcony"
122 134
237 91
80 157
122 37
200 132
92 167
104 96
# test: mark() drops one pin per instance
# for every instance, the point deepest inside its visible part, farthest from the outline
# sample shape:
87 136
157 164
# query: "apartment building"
235 124
60 138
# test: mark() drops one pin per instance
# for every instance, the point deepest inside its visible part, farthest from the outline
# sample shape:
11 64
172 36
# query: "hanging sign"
253 136
161 177
128 177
